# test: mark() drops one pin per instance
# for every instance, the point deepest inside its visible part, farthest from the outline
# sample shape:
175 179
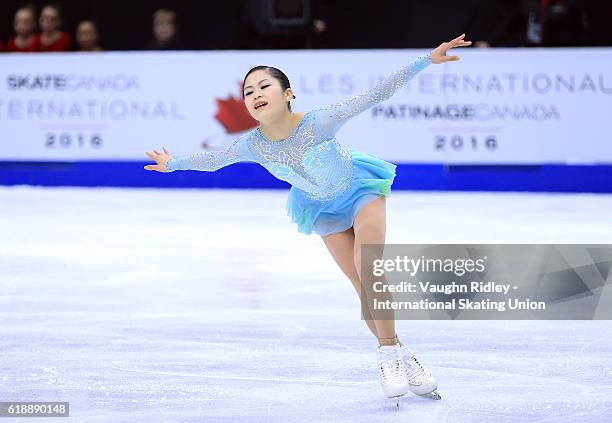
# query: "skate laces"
391 366
414 369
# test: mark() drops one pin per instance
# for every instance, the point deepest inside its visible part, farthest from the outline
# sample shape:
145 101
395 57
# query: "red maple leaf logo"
233 114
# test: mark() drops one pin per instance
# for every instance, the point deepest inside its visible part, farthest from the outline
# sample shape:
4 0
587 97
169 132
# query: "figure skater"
340 194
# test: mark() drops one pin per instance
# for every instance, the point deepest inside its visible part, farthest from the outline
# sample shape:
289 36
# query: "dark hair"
276 74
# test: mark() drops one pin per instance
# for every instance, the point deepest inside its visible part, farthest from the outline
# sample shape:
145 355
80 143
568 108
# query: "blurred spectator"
87 37
285 24
24 41
319 35
563 23
51 37
598 22
500 23
165 31
534 23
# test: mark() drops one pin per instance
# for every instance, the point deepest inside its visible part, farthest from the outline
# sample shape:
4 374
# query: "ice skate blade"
396 400
433 395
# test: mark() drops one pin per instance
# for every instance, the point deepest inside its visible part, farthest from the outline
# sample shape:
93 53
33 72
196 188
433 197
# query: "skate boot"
392 372
420 380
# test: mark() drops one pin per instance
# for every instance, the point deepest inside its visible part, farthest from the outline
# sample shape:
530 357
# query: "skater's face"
264 96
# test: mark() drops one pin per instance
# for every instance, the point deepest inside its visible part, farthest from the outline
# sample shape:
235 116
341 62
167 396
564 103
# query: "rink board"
438 177
499 119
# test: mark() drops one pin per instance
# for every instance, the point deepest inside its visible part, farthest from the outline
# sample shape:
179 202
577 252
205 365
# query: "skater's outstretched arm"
207 161
333 116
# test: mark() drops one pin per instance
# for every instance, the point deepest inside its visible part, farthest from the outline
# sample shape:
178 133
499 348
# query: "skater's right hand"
160 158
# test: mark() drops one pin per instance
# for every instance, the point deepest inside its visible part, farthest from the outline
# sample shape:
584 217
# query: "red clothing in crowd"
62 43
32 47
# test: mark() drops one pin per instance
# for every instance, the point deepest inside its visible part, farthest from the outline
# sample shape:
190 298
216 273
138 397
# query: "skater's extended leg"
341 246
400 371
370 227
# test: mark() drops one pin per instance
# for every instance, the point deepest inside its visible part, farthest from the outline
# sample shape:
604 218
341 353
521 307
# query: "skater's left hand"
439 54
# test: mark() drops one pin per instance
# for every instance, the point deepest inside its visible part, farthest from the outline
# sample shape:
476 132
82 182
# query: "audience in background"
564 23
87 36
530 23
499 23
287 24
284 24
165 31
25 39
52 38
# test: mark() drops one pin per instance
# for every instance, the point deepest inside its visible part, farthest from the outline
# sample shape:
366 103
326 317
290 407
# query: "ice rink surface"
208 306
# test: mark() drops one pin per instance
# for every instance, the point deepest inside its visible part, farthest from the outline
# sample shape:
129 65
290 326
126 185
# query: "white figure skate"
393 374
420 380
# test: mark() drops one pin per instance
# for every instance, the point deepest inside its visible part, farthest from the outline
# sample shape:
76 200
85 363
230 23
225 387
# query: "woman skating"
337 193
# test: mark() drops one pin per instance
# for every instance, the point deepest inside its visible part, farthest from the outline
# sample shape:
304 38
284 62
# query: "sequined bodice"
310 158
306 159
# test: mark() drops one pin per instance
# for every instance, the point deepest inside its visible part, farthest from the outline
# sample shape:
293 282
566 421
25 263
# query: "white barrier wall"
496 106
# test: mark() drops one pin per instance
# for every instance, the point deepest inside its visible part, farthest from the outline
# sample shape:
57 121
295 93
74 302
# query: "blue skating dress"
329 184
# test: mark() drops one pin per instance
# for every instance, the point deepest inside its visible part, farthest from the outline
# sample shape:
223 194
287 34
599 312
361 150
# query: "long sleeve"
333 116
209 161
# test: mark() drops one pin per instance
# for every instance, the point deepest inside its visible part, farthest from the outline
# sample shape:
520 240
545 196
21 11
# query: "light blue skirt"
372 178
